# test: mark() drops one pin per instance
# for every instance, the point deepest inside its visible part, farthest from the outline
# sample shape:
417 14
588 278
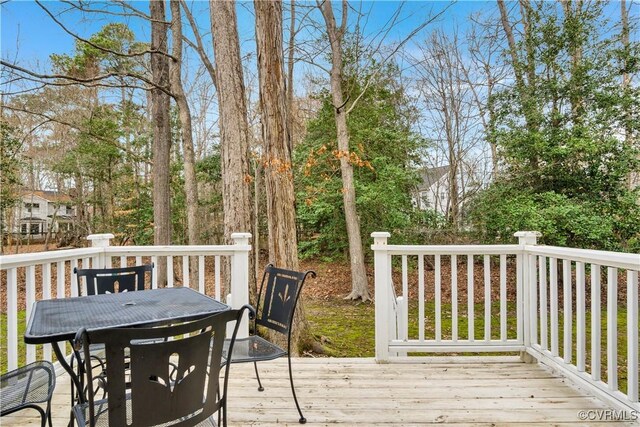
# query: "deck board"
462 391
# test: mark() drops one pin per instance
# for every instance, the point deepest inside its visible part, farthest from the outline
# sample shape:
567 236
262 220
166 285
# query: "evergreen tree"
383 156
567 176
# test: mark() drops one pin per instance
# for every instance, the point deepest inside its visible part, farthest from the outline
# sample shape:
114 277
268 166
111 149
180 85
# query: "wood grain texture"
466 391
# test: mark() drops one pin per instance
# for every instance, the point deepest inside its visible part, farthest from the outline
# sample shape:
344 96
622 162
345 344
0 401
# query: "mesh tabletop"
60 319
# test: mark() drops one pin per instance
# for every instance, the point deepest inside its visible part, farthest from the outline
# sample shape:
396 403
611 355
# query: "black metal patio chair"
113 280
275 311
160 393
30 386
99 281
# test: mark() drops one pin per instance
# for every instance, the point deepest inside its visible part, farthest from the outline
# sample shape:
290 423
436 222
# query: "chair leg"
224 413
73 400
302 420
260 388
49 414
43 415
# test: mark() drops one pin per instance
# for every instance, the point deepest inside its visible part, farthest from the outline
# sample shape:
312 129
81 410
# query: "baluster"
405 299
470 298
169 271
31 297
519 295
544 340
596 336
201 287
421 297
568 315
12 319
60 288
632 335
580 318
487 298
454 297
154 281
438 297
612 328
217 278
553 290
533 300
46 294
544 332
503 297
185 271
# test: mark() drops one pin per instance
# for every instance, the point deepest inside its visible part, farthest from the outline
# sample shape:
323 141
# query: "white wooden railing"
535 317
59 281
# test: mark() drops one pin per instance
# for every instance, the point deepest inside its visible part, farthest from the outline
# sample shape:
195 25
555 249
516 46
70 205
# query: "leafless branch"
88 82
97 46
198 47
390 55
49 118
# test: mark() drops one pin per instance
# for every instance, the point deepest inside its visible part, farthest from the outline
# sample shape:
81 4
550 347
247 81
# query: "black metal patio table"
58 320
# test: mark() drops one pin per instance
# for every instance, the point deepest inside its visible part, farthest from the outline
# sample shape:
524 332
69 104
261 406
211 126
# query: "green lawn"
3 340
347 330
21 345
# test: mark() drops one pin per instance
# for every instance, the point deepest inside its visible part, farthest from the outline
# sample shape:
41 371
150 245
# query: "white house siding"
34 215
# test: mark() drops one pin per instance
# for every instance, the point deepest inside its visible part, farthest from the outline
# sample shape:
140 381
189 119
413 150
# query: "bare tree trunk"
234 130
278 173
47 237
634 176
359 289
161 136
257 185
525 89
482 48
575 50
290 64
283 249
184 113
513 48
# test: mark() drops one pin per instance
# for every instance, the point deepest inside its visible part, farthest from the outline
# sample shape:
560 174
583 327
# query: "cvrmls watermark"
608 415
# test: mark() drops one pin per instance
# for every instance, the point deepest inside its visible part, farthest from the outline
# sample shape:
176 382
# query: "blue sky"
26 30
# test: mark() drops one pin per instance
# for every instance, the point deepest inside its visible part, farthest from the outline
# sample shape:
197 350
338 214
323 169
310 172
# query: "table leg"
76 379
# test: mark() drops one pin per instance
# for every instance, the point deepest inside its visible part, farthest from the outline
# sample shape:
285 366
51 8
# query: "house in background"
41 211
433 191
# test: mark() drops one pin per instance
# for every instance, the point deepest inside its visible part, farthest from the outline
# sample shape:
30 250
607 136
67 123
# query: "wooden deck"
460 391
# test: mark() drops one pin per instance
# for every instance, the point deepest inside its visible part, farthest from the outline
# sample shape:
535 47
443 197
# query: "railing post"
528 312
100 241
240 277
382 294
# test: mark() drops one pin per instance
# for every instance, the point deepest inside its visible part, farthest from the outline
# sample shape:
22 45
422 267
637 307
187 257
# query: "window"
424 200
30 228
31 206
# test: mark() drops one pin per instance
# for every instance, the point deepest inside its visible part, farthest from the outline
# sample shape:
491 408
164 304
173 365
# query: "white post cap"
241 238
527 237
100 240
380 237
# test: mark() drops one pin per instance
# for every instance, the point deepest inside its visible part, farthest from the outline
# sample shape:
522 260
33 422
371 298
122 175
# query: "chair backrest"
113 280
276 307
20 388
171 380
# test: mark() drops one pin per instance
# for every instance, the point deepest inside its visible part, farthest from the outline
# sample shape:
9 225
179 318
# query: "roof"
432 175
52 196
32 218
